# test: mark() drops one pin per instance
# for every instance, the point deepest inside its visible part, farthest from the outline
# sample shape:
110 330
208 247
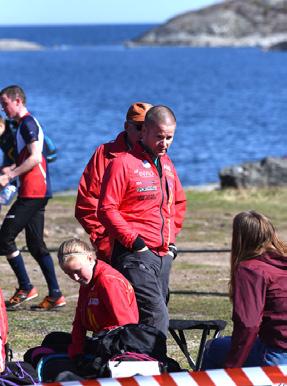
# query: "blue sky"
20 12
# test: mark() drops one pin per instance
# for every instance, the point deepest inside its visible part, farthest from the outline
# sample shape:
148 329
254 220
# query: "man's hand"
139 245
8 169
4 180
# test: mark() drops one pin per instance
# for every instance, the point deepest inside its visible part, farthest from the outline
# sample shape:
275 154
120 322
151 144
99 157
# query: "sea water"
230 103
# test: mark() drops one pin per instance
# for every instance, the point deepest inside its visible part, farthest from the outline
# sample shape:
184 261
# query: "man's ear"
90 257
126 125
18 100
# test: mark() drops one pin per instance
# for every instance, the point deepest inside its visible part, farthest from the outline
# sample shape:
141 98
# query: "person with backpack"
27 212
106 298
8 130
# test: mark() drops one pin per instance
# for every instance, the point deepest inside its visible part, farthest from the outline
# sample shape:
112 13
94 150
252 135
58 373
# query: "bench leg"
199 358
181 341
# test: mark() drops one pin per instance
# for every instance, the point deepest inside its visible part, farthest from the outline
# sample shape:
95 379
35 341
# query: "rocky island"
232 23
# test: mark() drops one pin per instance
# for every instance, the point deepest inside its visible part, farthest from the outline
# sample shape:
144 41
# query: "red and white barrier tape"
248 376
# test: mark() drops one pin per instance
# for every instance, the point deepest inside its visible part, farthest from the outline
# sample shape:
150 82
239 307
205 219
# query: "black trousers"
149 275
28 214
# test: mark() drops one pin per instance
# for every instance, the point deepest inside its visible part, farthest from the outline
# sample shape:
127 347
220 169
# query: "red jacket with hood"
89 191
136 202
259 306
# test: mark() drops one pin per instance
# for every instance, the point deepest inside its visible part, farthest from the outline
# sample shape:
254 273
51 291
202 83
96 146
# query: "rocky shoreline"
232 23
265 173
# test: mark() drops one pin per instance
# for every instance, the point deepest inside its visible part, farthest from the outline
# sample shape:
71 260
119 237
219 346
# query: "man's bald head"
158 130
159 115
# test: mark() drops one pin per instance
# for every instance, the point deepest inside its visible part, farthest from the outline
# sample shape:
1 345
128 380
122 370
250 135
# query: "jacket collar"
120 144
142 151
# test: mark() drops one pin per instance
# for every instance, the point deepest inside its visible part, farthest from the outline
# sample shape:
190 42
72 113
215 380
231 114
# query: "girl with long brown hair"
258 291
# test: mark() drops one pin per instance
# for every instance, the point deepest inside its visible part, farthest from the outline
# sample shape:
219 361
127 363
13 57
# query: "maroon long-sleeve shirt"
259 306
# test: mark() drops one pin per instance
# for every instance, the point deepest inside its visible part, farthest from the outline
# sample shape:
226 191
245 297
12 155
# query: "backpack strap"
42 362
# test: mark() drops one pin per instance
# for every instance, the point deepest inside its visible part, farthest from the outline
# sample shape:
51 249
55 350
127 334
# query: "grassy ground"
198 281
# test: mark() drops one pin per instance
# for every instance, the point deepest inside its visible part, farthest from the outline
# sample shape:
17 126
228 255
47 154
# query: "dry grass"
198 280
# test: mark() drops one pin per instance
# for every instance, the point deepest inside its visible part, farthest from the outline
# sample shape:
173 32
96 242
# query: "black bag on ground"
50 367
136 338
18 373
139 338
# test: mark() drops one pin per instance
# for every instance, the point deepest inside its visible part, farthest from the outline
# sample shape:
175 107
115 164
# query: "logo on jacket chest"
144 173
146 189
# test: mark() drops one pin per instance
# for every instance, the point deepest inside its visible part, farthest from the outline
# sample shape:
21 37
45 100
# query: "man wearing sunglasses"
91 180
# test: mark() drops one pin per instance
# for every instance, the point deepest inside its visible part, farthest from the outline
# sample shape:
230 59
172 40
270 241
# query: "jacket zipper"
160 208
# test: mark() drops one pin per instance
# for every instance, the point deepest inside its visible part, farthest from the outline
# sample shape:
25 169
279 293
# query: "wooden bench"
177 329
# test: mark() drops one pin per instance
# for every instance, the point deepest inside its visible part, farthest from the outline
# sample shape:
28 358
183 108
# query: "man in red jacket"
90 182
142 205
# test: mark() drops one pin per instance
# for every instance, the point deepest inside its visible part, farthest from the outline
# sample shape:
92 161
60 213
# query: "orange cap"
137 112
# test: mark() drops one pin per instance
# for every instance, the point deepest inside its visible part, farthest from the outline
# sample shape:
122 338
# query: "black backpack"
139 338
135 338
